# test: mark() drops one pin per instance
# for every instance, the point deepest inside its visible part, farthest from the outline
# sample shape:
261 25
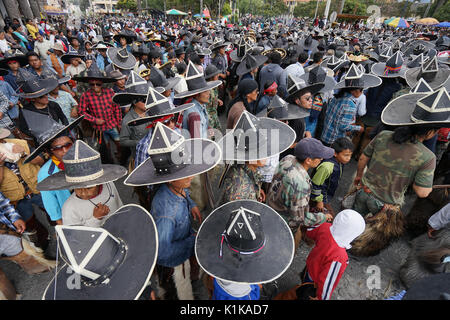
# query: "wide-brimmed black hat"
281 110
196 82
179 51
158 106
250 62
93 73
15 55
394 67
317 75
33 87
254 138
418 109
83 168
121 58
158 79
296 85
355 78
421 86
65 58
308 43
244 241
434 74
139 49
115 262
45 130
201 52
241 48
127 34
218 43
136 87
416 61
172 157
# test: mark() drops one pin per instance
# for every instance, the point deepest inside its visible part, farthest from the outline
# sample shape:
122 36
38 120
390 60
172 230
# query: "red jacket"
326 262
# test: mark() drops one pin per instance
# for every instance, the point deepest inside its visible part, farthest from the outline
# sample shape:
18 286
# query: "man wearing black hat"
273 72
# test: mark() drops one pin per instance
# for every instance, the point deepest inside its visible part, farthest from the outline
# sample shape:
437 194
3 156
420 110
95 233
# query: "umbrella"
398 23
427 21
444 24
388 20
176 12
197 15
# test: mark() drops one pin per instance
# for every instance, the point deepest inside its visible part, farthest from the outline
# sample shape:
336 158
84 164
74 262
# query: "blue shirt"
9 92
8 215
11 79
176 238
53 200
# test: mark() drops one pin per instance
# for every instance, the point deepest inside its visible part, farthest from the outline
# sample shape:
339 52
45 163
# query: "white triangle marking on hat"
154 98
161 130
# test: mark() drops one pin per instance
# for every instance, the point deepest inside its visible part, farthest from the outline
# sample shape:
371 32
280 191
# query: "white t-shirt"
76 211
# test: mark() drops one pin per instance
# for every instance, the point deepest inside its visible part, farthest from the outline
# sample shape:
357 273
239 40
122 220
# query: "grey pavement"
359 282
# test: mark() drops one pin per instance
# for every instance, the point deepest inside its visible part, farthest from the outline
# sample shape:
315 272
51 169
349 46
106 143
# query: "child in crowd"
325 178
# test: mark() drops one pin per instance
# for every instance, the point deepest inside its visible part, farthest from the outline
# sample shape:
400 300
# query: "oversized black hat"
318 75
244 241
250 62
421 86
172 157
158 79
121 58
416 62
308 43
15 55
218 43
83 168
354 78
254 138
196 82
93 73
418 109
115 262
241 48
158 106
139 49
281 110
127 34
65 58
296 85
45 130
392 68
33 87
211 71
434 74
135 87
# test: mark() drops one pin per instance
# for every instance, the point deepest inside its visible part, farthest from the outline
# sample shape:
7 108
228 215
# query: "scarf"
58 163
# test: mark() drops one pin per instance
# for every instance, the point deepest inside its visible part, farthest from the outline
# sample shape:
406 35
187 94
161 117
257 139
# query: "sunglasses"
68 145
95 84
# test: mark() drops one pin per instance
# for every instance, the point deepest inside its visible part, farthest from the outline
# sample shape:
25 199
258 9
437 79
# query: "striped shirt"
340 115
8 214
5 121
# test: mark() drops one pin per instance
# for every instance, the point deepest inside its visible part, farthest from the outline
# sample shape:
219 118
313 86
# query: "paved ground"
353 285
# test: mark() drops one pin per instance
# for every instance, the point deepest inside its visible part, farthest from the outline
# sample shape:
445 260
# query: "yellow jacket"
32 30
10 186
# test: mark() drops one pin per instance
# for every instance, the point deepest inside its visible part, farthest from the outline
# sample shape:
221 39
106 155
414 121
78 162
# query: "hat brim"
294 112
370 81
242 67
441 76
23 61
58 134
66 57
49 85
399 110
329 83
210 85
172 82
209 76
4 133
145 173
129 38
136 227
57 181
3 72
126 98
314 88
265 266
378 69
130 63
234 57
147 119
265 149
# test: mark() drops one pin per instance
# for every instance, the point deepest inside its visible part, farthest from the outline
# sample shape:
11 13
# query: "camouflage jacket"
213 103
289 194
241 183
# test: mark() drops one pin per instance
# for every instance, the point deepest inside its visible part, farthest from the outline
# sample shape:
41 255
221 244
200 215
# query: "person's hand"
196 214
1 115
220 102
319 205
361 129
100 211
430 232
329 217
10 105
73 94
308 134
357 181
88 64
20 225
313 298
262 195
18 149
2 159
99 121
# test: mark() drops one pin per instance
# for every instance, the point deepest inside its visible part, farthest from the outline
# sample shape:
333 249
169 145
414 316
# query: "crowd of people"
223 202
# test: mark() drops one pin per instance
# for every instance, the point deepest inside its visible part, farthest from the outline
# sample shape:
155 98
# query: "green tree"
355 7
127 5
443 13
226 10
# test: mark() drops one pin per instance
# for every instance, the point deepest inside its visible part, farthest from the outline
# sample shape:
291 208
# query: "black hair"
342 144
32 53
302 57
317 56
268 84
181 67
275 57
411 133
15 26
195 58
